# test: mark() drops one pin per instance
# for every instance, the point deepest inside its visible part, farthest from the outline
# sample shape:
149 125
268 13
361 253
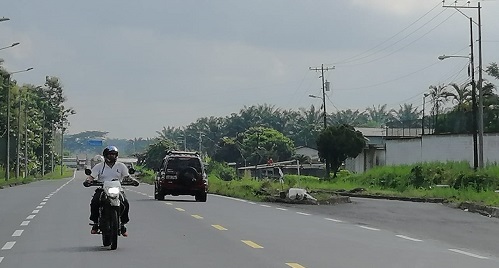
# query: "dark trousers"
95 203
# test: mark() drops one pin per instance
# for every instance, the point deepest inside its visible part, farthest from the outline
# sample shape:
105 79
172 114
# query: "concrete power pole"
322 69
480 78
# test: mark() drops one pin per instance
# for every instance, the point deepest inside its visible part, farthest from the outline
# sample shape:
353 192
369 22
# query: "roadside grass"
452 181
56 174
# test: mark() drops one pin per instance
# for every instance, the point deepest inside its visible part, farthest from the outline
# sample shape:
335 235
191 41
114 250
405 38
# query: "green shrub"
222 171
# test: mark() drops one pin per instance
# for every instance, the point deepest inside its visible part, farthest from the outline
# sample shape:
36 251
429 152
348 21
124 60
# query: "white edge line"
265 206
284 209
409 238
368 228
468 253
301 213
329 219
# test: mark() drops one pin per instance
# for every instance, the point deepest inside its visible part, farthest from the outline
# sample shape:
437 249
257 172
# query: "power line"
351 59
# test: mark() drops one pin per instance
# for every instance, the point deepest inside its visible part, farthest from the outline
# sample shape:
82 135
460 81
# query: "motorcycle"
110 209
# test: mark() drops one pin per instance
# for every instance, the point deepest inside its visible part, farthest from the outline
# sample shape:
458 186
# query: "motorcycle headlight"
114 190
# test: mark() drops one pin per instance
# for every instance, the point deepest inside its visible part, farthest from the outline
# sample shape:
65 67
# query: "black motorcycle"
111 200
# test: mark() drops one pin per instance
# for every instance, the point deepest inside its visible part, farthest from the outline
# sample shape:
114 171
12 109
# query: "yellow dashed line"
180 209
294 265
197 217
219 227
251 244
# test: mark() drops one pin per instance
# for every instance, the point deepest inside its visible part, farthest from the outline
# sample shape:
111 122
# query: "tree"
350 117
439 96
406 116
259 144
378 116
155 153
493 70
338 142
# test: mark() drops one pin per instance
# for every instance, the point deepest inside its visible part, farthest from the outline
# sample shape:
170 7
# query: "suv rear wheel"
201 197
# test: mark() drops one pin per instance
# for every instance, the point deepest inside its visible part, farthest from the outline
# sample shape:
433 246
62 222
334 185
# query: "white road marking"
45 200
1 259
253 203
329 219
409 238
24 223
18 233
265 206
35 211
301 213
8 245
284 209
43 203
30 217
39 207
368 228
468 253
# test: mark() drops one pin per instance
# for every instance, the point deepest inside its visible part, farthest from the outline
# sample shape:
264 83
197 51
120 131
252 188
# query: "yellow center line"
180 209
294 265
251 244
197 216
219 227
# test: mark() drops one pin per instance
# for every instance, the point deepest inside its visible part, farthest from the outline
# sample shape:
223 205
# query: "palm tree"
406 116
378 116
349 117
461 95
439 96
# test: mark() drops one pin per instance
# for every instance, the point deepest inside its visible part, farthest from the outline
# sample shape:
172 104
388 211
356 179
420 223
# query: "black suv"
181 173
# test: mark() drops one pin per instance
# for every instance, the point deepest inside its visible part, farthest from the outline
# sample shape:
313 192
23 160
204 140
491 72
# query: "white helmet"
98 158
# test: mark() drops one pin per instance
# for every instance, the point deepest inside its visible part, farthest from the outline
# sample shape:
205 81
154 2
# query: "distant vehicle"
81 163
181 173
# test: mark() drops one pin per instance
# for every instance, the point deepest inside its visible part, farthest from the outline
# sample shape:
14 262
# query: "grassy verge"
452 181
56 174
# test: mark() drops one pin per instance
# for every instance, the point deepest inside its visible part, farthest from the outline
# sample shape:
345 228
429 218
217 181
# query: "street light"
7 173
480 69
13 45
477 153
443 57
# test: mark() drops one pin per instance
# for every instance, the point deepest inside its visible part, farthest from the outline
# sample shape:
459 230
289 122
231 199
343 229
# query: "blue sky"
133 67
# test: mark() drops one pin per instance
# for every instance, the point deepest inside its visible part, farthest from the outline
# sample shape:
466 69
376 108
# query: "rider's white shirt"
103 172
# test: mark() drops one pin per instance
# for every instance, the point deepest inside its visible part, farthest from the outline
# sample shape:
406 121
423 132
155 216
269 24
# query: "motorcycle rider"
105 171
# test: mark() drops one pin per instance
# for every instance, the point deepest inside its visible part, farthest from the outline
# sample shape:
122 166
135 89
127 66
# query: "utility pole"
480 77
322 69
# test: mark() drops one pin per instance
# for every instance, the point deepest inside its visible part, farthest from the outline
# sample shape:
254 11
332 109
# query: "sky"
131 68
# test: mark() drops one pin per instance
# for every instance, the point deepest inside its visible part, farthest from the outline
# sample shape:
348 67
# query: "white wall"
440 148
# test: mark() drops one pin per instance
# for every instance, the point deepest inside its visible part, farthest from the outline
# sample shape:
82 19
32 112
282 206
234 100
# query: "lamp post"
476 152
7 173
480 70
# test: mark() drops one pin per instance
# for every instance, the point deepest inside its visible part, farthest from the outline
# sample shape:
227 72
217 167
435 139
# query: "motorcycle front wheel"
114 223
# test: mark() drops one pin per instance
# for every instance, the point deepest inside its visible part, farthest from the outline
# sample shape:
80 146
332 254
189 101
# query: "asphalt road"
45 224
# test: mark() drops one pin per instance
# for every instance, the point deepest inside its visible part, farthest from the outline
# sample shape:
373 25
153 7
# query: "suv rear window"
179 163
